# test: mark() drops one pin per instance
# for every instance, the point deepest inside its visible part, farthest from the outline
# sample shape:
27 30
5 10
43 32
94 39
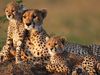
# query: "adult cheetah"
37 36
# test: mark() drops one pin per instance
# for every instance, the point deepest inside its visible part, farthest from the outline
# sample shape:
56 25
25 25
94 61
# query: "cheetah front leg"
19 48
4 54
18 52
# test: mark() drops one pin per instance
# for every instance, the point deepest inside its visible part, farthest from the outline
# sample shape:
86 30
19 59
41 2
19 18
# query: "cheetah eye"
55 44
13 10
34 16
6 11
24 16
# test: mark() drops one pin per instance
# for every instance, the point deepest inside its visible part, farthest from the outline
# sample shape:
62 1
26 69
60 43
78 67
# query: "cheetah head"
13 9
33 18
55 45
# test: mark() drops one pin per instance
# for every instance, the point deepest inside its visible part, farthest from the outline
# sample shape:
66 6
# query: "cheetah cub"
14 39
60 60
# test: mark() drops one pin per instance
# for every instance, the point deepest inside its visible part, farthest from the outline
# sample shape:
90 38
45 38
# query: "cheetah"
90 62
60 60
95 48
37 36
15 33
89 66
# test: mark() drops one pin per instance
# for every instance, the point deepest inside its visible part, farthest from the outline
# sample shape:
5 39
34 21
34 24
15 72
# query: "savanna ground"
77 20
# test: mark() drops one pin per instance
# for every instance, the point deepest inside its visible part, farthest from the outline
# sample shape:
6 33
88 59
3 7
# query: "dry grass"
77 20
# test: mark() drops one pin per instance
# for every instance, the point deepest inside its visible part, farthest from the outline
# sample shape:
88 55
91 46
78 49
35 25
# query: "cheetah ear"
21 8
43 12
63 40
25 11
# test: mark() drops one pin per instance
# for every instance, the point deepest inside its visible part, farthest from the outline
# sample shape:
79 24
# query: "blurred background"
76 20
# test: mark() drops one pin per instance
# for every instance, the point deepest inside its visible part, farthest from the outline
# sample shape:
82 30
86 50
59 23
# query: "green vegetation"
3 19
19 1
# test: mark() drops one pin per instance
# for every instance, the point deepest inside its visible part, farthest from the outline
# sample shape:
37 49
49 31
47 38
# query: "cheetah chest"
17 33
37 46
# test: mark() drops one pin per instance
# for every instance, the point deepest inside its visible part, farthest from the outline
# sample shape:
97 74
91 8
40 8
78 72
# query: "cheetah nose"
28 24
9 15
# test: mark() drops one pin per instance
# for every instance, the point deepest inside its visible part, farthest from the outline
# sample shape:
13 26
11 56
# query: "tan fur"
88 64
33 20
15 30
28 16
58 57
11 8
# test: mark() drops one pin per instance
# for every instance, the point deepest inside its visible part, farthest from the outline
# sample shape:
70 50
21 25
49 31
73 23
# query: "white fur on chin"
10 18
29 27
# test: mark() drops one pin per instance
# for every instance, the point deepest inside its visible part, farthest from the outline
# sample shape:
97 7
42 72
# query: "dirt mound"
10 68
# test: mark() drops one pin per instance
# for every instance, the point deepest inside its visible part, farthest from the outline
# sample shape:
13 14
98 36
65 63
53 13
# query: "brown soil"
10 68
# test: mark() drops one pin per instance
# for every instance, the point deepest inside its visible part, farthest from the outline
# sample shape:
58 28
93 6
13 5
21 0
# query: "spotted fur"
60 60
88 64
95 50
15 31
37 36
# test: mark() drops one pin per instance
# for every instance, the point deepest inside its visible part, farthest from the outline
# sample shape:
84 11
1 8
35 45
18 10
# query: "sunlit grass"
1 42
76 39
3 33
77 20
